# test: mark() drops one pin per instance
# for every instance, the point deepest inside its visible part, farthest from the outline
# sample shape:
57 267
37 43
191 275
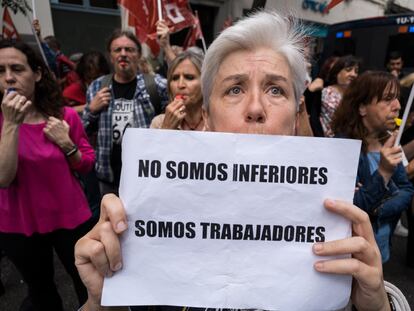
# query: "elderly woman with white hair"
253 76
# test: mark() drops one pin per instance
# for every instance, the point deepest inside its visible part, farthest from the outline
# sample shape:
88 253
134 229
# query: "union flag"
9 30
142 16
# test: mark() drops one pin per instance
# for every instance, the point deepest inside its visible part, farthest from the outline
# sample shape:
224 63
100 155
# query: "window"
79 2
107 4
101 6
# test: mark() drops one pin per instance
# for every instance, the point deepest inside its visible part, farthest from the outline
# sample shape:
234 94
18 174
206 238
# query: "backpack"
150 85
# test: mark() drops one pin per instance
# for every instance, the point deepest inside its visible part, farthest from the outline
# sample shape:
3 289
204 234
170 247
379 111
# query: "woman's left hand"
57 131
368 291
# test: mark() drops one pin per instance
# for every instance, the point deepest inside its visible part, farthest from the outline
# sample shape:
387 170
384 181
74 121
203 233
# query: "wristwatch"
72 151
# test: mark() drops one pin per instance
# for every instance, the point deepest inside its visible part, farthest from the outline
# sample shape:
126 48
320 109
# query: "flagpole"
405 116
37 41
159 7
203 42
34 9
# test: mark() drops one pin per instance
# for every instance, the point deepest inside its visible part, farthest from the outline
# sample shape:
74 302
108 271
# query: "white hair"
283 34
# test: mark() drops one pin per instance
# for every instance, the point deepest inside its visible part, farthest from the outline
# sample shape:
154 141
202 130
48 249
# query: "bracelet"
72 151
391 302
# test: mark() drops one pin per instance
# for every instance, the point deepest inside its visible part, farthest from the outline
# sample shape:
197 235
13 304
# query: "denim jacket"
383 203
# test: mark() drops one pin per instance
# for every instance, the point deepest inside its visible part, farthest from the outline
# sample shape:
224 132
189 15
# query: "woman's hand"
98 253
390 157
57 131
101 100
316 85
37 28
14 108
174 114
358 186
368 291
163 33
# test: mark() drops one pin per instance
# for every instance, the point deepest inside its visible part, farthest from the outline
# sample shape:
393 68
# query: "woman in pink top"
42 145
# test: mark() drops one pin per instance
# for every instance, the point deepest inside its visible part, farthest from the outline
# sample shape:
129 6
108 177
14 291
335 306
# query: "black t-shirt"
122 118
124 90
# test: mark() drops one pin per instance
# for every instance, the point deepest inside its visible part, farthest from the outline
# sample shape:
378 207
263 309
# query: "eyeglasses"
128 49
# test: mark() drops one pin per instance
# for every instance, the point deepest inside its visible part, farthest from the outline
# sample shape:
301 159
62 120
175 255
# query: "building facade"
82 25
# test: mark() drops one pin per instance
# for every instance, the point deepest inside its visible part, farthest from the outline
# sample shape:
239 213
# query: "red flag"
331 5
142 15
195 33
9 30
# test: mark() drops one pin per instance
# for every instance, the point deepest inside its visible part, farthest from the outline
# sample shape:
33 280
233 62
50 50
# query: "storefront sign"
315 6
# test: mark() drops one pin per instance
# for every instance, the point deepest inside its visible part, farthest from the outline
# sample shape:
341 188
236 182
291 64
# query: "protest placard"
226 220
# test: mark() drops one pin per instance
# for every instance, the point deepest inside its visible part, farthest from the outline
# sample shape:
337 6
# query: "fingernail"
318 266
330 202
317 247
121 226
109 273
118 266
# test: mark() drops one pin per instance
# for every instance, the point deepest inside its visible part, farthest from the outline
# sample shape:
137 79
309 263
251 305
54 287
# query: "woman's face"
92 74
253 93
347 75
185 81
379 116
16 73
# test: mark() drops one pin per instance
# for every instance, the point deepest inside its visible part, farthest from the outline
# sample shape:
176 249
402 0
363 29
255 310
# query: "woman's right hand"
163 33
37 28
98 253
174 114
389 159
14 107
101 100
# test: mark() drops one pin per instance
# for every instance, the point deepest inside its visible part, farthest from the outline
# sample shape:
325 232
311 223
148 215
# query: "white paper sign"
228 220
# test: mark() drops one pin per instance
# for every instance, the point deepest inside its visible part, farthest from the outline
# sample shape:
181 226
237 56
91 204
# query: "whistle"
397 121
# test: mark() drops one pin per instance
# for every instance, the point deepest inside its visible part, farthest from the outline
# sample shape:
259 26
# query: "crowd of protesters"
62 126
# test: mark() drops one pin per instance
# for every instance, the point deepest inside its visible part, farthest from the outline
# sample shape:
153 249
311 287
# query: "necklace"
193 128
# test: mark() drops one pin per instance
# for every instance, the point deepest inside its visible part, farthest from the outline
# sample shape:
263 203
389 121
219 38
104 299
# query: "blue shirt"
373 160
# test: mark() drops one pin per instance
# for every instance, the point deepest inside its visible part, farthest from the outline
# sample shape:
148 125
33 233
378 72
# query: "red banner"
194 33
142 15
9 30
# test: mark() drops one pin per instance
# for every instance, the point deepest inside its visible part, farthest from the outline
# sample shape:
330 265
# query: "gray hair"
283 34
